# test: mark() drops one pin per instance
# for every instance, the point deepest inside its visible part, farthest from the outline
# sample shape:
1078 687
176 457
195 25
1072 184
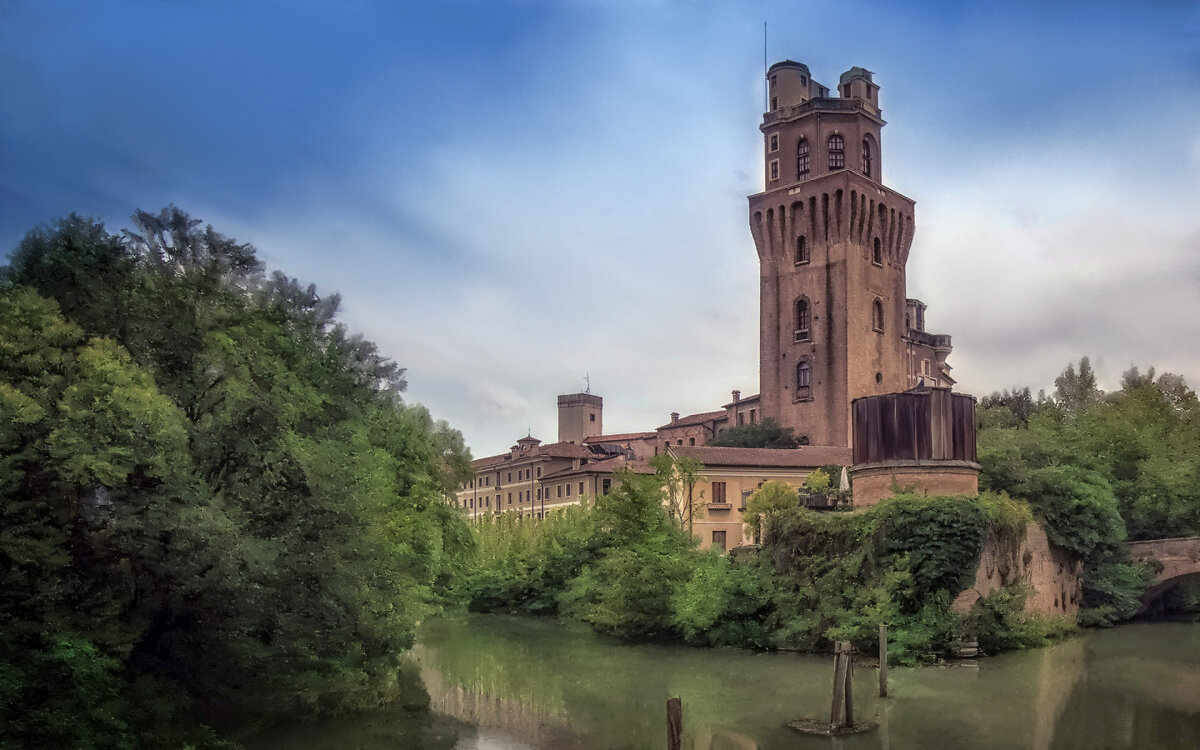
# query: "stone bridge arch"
1180 560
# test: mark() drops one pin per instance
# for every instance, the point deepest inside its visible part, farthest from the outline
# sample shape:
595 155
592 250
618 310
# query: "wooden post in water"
841 712
883 661
849 687
674 724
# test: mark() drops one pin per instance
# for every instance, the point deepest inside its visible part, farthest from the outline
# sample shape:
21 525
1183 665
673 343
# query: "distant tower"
832 243
580 416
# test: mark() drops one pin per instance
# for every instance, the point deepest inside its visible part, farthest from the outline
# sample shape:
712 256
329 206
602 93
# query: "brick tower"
832 244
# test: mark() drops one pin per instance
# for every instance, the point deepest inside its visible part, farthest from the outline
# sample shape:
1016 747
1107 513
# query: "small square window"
774 169
774 141
772 80
774 103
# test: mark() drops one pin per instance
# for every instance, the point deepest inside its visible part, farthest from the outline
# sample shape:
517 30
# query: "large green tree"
213 493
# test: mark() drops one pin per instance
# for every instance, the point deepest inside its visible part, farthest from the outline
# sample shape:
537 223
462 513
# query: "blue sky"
511 195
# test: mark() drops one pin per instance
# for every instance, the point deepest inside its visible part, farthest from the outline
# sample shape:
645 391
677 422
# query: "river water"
505 683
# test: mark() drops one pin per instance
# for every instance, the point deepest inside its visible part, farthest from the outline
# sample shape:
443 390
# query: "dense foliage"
631 569
765 434
211 494
1099 469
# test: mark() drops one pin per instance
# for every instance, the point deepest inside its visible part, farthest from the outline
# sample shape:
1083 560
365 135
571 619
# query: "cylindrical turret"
789 83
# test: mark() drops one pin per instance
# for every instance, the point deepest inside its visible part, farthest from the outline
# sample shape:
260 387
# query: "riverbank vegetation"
1099 469
1094 469
627 569
216 505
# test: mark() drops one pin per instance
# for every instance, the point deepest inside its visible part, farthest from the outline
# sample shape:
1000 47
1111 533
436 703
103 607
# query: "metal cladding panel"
930 425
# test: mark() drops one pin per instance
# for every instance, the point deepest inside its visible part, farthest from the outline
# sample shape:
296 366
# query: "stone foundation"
1053 577
874 482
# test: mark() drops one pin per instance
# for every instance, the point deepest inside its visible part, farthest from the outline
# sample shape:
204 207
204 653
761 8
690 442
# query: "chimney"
737 396
674 417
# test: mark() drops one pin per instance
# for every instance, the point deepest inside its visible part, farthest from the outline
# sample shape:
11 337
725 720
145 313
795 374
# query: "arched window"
801 250
803 380
877 253
802 320
837 152
802 159
877 316
868 156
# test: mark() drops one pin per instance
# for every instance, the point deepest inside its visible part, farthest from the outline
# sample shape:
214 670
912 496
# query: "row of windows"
837 156
485 501
803 254
803 330
522 474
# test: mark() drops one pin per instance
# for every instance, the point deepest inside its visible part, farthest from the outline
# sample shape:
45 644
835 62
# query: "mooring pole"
674 724
849 684
883 661
841 666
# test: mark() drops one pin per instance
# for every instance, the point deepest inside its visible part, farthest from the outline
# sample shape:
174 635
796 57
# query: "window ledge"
720 506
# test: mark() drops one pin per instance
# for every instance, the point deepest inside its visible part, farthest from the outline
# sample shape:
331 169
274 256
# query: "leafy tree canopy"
764 434
213 493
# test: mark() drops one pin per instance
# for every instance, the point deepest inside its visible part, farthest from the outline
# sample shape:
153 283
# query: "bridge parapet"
1179 558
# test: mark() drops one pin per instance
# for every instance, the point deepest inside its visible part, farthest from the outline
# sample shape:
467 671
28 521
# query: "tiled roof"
694 419
564 450
743 400
804 457
619 437
603 466
483 463
553 450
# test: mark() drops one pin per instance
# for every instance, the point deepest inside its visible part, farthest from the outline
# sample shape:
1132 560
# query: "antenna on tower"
766 87
587 379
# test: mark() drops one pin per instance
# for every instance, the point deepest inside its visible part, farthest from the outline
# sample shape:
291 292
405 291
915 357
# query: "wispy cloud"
510 196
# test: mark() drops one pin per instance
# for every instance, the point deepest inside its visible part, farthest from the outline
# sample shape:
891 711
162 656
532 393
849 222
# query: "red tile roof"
743 400
694 419
804 457
553 450
621 437
603 466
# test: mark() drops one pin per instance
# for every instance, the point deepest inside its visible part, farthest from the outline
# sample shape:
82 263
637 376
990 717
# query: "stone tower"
580 415
832 244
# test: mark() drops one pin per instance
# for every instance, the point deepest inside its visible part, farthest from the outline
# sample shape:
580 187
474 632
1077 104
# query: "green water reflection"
509 682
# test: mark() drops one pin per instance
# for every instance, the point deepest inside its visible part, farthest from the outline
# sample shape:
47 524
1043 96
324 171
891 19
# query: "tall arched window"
837 152
802 159
802 320
877 253
803 380
868 156
877 316
801 250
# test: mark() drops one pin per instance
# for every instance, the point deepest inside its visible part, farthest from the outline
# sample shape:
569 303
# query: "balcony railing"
936 340
825 104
